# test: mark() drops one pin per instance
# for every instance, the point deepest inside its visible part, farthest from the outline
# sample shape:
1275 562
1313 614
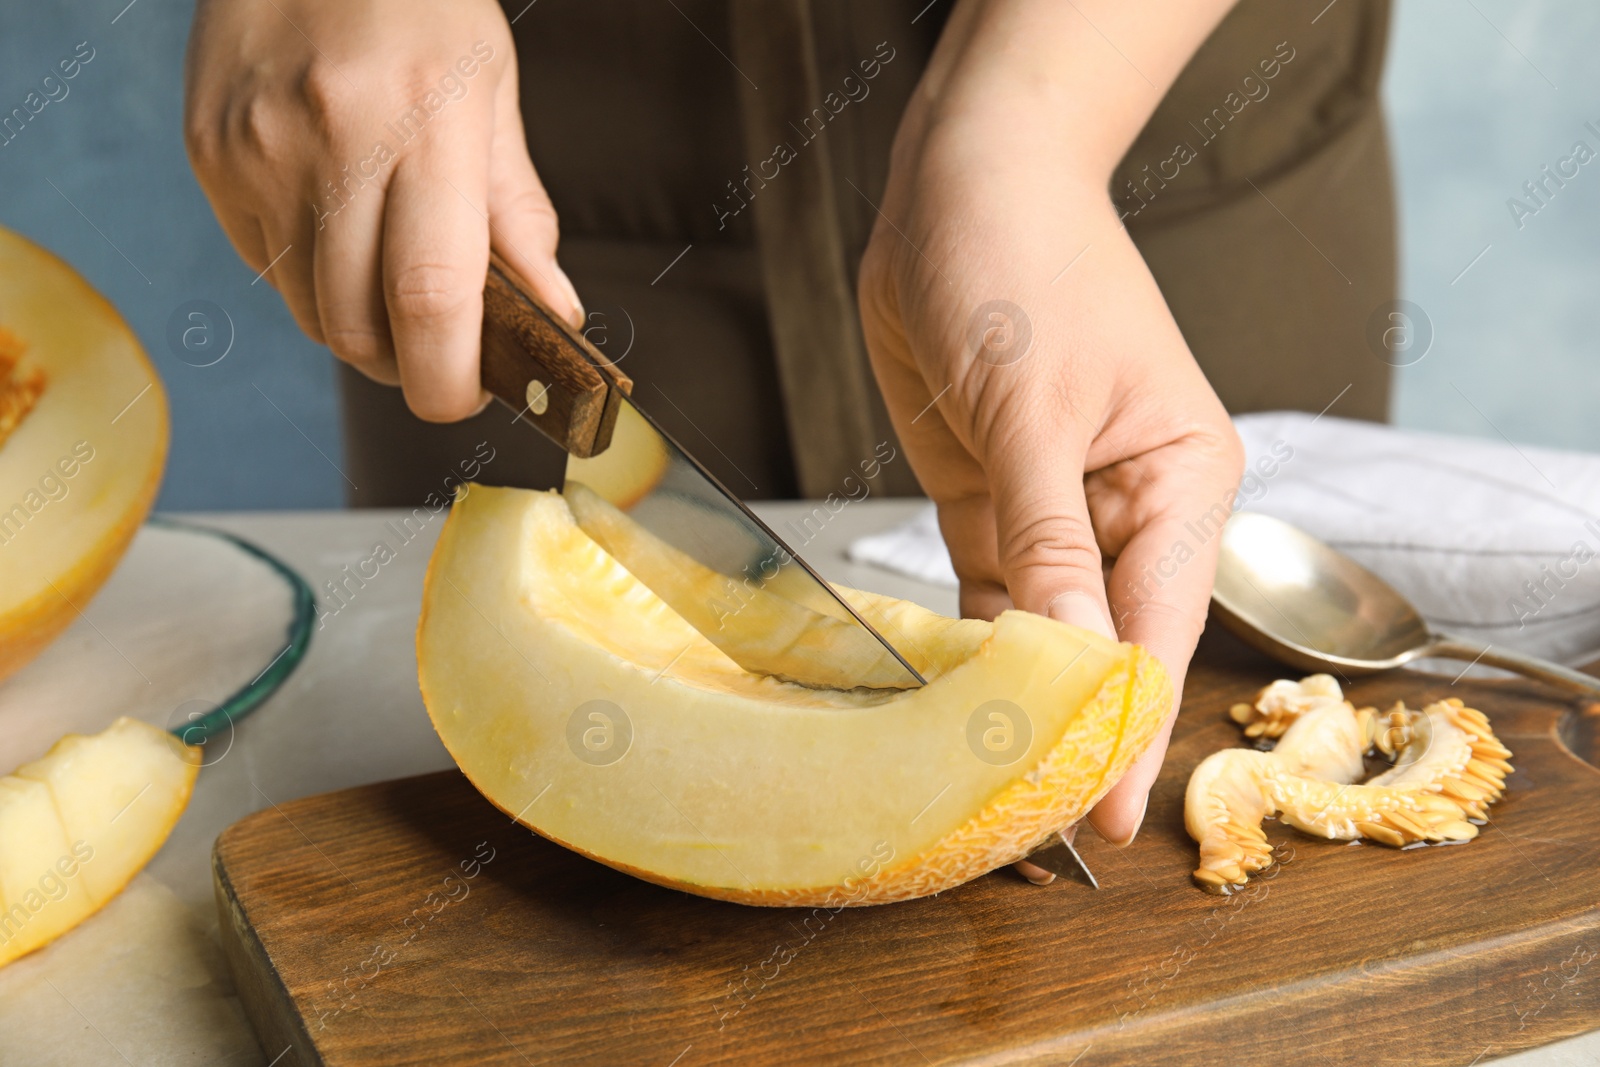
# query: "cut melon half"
585 708
77 824
83 438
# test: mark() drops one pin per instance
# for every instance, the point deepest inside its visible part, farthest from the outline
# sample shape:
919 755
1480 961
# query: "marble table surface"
144 982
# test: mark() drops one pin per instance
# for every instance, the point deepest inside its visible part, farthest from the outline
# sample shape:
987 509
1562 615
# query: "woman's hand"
364 156
1042 390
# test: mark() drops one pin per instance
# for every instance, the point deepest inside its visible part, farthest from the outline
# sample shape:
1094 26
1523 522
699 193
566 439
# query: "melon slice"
585 708
777 635
83 437
79 823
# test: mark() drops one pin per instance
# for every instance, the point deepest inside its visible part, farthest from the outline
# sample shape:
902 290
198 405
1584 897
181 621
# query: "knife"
660 513
1060 856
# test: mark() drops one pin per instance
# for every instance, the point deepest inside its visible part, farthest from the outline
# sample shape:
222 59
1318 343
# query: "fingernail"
1137 823
578 314
1038 876
1080 610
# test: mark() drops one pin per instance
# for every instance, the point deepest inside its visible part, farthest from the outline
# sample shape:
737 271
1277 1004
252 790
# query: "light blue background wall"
114 147
1480 96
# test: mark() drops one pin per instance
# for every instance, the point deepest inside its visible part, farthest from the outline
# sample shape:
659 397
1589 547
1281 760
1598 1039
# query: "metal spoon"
1285 593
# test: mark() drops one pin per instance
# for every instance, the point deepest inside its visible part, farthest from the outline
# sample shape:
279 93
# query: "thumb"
522 222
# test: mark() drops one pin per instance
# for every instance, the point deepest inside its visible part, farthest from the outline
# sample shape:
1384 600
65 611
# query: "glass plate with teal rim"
194 630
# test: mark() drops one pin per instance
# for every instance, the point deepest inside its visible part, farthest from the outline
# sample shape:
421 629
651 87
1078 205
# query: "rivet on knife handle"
544 369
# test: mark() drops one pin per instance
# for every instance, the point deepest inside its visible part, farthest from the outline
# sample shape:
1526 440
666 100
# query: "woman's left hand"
1044 395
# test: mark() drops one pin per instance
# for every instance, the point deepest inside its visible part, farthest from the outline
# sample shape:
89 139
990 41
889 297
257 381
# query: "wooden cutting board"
410 922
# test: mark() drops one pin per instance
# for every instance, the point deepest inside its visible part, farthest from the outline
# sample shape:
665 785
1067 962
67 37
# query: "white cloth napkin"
1490 540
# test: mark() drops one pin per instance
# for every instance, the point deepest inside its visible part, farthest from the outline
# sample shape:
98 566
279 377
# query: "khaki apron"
1259 194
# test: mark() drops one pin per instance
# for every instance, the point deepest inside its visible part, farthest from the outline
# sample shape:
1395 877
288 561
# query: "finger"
435 256
967 525
958 486
1121 812
288 250
348 279
244 233
205 131
1044 538
1037 874
949 473
1160 589
1033 873
522 223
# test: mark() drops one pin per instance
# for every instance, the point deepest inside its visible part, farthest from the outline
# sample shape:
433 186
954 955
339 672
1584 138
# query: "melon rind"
101 397
740 787
78 823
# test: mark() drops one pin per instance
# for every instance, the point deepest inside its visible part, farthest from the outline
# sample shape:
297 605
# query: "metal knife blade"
665 517
1060 856
657 510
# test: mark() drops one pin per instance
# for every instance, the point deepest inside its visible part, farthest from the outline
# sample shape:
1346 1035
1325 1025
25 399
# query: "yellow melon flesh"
82 458
631 468
775 635
79 823
700 776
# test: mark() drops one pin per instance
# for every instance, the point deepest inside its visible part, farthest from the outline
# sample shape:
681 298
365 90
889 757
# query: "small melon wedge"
77 824
40 887
632 467
584 707
780 636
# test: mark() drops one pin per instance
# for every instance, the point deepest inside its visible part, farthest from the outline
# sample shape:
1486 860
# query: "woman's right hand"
364 156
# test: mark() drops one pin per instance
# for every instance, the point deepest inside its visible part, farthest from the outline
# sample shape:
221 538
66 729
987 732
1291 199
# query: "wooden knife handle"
544 369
